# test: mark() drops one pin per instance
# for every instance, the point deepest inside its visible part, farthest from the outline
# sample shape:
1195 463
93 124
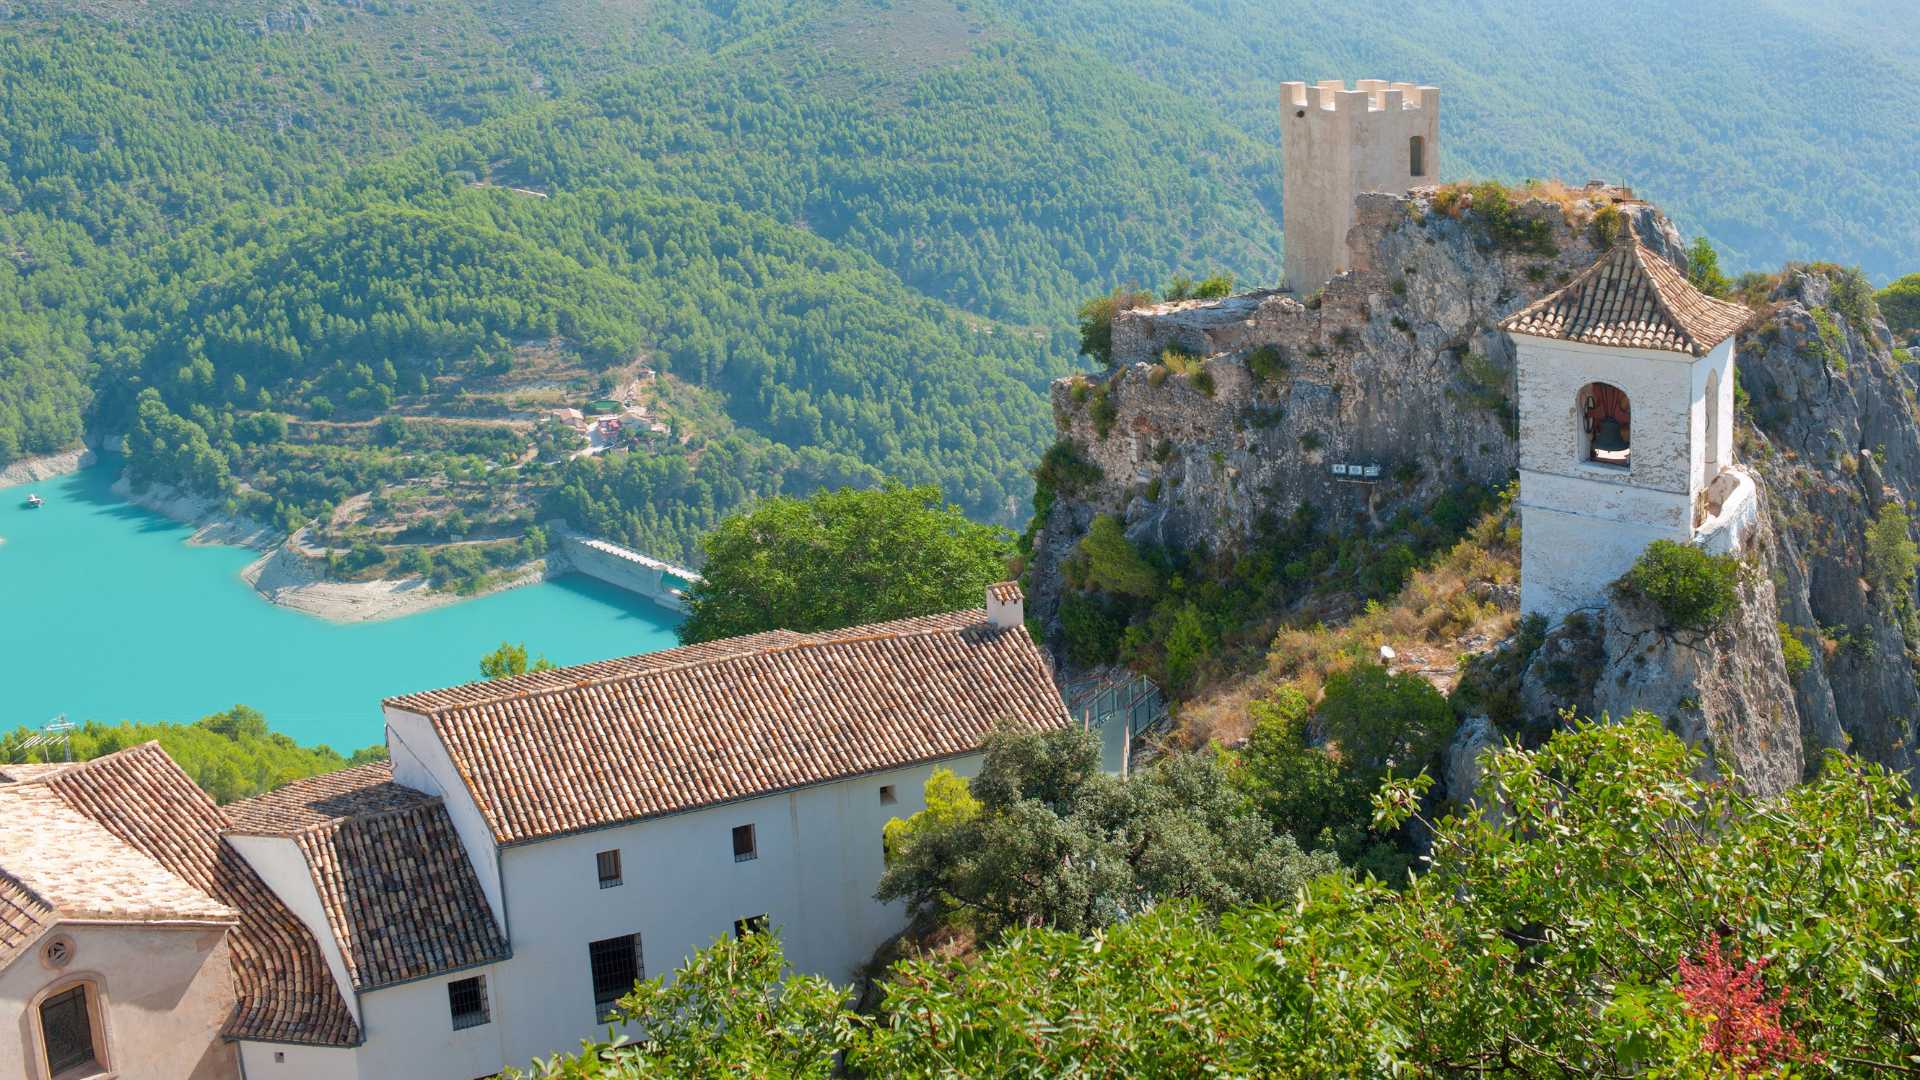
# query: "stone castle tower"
1625 386
1340 143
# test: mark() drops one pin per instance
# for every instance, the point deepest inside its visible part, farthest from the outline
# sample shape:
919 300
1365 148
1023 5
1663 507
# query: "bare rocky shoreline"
46 466
284 577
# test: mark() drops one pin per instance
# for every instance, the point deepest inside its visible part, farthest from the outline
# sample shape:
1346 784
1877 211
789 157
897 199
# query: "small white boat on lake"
34 502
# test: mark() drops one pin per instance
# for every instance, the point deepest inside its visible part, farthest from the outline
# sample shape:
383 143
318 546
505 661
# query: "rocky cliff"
1380 391
1391 385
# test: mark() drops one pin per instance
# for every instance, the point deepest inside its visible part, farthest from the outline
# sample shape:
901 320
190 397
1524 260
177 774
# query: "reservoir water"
107 614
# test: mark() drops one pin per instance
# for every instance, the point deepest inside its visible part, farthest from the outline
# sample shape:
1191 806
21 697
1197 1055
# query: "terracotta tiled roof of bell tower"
1631 299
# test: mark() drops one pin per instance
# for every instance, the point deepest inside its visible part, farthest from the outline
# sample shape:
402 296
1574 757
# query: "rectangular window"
887 797
68 1029
752 924
467 1000
609 863
616 967
743 847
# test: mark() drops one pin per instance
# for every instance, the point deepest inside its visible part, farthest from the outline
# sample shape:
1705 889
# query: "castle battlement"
1341 143
1332 95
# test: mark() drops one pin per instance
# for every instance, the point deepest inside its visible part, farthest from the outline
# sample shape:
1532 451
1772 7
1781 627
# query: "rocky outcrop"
1724 691
1833 439
1395 368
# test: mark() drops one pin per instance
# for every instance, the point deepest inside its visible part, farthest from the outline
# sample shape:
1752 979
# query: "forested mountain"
857 228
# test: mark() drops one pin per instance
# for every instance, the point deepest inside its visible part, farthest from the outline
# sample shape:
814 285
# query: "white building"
1625 381
535 845
1340 143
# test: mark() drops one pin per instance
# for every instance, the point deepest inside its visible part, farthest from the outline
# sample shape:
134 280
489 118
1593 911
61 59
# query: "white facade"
818 856
1341 143
1584 523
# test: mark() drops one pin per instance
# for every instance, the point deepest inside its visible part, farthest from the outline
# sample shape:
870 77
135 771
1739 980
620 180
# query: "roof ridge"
802 640
1660 298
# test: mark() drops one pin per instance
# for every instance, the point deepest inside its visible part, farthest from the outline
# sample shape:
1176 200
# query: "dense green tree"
231 755
840 558
1691 588
1384 720
1703 269
1048 839
1900 304
1106 560
509 660
1618 916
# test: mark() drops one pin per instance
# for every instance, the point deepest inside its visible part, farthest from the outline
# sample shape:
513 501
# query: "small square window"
887 797
743 845
467 1000
279 1057
609 865
752 924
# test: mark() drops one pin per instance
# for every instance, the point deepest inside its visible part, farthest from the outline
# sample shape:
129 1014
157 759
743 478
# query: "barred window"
66 1023
616 967
752 924
467 1000
743 844
609 863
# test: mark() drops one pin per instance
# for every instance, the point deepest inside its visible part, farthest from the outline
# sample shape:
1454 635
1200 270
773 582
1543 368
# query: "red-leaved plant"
1744 1029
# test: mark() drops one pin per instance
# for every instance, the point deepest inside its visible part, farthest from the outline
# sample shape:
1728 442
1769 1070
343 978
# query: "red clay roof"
576 748
1631 298
399 894
283 990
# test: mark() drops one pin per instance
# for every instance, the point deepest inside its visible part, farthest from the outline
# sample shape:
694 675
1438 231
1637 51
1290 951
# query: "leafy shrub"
1891 555
1096 320
1090 630
1104 410
1383 720
1900 304
1607 225
1063 470
1691 589
1111 563
1203 381
1703 269
1214 287
1798 657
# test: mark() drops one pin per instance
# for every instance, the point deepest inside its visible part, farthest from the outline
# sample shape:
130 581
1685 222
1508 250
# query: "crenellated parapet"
1341 143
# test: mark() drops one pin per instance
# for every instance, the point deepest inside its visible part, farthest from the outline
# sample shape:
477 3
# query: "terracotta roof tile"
1006 592
399 894
283 989
24 916
577 748
78 870
1631 298
317 800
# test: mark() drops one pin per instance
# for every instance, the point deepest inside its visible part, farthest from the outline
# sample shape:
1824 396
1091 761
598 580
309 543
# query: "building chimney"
1006 605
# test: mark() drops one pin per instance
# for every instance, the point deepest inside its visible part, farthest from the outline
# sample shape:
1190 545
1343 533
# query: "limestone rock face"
1726 692
1834 440
1395 366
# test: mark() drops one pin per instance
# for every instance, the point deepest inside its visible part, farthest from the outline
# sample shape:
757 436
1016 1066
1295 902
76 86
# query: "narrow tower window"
1606 424
1417 156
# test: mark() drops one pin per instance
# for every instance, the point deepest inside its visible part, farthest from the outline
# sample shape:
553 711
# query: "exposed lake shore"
46 466
283 576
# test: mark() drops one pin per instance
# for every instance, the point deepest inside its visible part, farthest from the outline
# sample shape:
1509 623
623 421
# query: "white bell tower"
1625 381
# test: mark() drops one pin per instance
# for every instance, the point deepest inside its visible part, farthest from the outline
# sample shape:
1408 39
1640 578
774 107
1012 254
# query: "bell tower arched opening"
1606 425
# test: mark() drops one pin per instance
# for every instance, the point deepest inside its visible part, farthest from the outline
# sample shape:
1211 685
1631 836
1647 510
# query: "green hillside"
850 233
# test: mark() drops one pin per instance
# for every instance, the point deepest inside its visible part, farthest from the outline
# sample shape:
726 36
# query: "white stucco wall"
1338 144
820 856
1583 524
165 991
292 1061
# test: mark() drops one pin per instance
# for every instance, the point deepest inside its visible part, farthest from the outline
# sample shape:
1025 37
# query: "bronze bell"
1608 437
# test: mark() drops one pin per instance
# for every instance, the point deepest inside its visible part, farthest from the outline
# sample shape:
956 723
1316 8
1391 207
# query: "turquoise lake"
107 614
